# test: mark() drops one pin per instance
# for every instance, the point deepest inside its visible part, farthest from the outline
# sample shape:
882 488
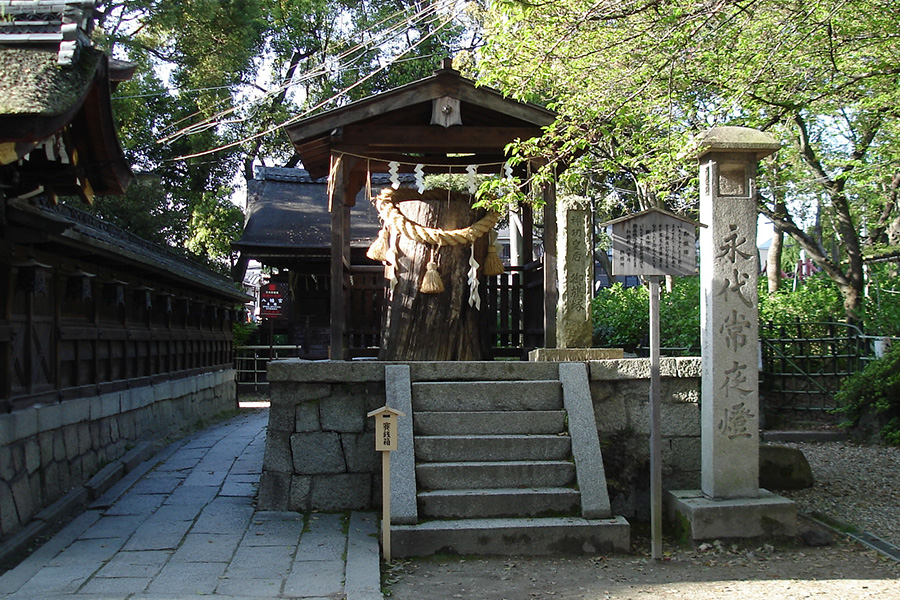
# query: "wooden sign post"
386 442
654 243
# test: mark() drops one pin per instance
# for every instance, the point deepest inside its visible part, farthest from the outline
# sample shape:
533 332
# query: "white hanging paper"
420 178
474 296
507 170
471 171
391 259
394 170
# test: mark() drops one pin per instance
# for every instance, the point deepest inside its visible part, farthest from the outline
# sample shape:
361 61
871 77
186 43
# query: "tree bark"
773 259
419 326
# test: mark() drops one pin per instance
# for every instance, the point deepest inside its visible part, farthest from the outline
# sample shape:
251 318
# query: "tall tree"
633 81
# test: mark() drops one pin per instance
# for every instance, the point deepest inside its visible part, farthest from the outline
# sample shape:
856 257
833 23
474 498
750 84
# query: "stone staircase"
504 466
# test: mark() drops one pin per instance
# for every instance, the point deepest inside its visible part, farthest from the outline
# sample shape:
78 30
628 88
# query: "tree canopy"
634 80
215 80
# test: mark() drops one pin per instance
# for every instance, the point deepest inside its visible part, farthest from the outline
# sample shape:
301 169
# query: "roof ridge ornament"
45 22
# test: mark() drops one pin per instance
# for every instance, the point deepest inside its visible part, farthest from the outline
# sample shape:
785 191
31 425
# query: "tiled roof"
63 24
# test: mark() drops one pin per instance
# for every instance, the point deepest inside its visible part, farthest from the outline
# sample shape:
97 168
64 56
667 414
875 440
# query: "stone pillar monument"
730 502
576 272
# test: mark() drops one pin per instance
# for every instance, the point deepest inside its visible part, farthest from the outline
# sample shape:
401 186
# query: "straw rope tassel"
431 282
378 249
493 265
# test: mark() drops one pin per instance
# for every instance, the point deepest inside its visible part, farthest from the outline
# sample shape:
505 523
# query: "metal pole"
655 424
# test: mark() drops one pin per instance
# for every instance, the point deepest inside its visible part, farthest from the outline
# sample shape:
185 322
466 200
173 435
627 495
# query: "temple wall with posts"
320 446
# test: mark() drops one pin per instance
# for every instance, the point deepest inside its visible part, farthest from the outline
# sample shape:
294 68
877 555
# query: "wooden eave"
92 131
396 125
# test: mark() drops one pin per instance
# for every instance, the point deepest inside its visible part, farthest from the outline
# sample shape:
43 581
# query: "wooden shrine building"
441 124
105 338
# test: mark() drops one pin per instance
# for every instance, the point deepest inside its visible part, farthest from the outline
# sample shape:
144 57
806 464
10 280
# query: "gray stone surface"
784 468
729 310
398 391
487 395
482 371
585 441
348 491
490 422
456 448
766 515
481 475
317 453
343 413
306 417
545 536
575 271
507 502
574 354
224 549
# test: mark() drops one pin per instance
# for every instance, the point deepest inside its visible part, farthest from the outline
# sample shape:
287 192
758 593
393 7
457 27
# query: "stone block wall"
46 451
320 447
620 390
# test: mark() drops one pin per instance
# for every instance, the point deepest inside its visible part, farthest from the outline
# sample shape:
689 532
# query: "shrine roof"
288 209
480 122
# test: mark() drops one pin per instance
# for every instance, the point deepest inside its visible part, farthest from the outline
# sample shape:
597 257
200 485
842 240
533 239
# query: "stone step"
486 475
491 448
509 422
509 537
503 502
487 395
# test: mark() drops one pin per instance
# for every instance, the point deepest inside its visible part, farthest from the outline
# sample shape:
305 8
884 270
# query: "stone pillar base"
704 518
574 354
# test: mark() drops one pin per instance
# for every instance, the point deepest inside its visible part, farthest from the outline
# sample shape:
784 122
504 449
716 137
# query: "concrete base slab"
705 518
509 537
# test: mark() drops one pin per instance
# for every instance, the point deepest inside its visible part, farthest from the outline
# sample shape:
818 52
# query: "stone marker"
576 272
731 503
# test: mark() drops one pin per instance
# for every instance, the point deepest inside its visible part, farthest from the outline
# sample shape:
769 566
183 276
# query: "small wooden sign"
385 428
654 242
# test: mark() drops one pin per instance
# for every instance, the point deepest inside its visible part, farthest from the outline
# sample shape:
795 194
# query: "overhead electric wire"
321 70
317 106
424 17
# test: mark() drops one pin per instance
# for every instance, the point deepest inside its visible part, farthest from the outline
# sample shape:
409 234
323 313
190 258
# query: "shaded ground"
842 571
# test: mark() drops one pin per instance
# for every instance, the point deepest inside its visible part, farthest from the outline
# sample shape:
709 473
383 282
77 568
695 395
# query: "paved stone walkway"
183 527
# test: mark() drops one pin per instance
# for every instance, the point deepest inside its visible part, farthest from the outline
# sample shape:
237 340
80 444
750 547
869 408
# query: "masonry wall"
48 450
320 446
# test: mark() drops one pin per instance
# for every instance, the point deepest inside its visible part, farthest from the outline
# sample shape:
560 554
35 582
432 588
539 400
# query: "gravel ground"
858 485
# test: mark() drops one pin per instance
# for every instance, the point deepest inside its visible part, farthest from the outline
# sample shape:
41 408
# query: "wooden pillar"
345 190
551 292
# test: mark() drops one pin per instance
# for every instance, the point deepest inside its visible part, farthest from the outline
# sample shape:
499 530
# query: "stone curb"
77 499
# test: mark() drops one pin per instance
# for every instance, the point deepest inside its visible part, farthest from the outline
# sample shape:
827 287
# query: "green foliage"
817 299
243 332
873 394
621 316
634 83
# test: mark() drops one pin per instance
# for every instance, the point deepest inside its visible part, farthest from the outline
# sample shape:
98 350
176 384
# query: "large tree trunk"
773 259
419 326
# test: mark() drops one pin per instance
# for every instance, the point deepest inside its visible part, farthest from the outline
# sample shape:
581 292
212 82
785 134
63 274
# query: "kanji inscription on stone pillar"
729 270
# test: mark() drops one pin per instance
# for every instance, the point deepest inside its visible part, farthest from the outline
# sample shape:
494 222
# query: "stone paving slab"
162 538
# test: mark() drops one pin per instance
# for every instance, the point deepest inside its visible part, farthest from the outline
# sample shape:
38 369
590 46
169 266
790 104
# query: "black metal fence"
804 364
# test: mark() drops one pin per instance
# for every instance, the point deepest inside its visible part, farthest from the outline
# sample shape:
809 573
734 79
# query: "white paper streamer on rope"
394 170
420 178
474 296
390 257
507 170
471 171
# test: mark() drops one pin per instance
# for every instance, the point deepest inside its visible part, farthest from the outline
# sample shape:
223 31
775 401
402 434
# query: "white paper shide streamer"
420 178
471 172
394 170
474 296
